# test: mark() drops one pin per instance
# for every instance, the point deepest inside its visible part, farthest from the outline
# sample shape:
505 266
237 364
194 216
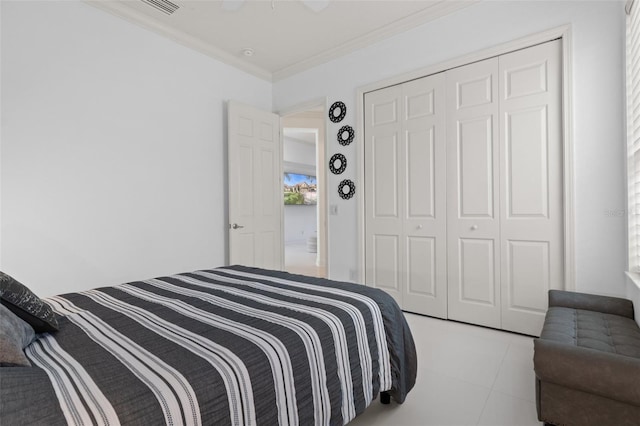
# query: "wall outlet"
353 275
333 209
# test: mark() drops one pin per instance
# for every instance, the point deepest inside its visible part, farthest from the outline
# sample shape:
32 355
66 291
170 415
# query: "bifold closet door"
473 208
405 194
531 225
504 178
463 190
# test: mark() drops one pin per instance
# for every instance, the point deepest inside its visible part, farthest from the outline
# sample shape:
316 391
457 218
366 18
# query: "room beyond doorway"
304 192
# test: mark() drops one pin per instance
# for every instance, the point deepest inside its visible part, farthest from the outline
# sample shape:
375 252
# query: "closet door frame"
563 33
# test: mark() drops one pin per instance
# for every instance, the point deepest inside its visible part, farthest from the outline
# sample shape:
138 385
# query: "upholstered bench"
587 361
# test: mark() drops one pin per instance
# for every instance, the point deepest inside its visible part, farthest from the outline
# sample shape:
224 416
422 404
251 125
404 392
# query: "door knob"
419 227
474 227
236 226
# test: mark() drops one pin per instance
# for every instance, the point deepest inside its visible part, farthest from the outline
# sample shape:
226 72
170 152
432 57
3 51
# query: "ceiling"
284 36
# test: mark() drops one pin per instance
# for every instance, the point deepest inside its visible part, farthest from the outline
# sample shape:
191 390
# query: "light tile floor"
467 375
298 260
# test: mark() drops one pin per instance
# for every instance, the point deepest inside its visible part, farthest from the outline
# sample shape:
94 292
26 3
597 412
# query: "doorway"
304 218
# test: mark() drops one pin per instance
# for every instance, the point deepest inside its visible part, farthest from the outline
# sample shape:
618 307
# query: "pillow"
26 305
15 335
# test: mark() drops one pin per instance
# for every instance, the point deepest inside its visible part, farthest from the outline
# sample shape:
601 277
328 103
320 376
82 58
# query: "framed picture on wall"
300 190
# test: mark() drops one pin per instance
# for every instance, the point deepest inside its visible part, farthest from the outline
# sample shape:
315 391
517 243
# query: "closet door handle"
236 226
474 227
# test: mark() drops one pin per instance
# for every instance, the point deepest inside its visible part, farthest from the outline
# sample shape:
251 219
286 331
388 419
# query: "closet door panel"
477 271
384 255
384 150
421 266
473 222
474 158
527 163
420 163
528 266
386 258
531 184
424 195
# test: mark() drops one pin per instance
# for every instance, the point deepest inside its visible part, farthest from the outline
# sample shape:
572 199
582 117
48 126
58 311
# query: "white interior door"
473 217
495 248
383 203
405 194
255 187
531 184
424 234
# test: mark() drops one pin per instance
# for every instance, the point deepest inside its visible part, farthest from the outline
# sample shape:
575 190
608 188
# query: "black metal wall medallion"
337 111
346 135
337 164
346 189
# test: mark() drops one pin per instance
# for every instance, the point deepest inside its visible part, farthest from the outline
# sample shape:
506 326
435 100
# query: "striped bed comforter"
227 346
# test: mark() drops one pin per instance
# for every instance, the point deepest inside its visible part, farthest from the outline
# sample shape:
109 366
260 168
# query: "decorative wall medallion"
346 189
346 135
337 111
337 164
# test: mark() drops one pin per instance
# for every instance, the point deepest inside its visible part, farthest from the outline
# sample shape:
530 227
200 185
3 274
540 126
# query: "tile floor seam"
484 407
504 356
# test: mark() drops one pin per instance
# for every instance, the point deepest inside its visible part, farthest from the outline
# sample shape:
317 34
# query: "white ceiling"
286 36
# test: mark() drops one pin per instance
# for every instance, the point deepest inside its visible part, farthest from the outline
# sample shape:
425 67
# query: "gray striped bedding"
226 346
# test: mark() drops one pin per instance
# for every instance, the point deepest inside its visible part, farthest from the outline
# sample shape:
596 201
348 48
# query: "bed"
226 346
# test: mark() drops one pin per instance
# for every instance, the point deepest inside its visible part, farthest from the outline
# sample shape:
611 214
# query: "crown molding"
140 19
432 13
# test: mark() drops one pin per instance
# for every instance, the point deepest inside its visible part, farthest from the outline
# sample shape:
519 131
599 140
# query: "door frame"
321 167
563 33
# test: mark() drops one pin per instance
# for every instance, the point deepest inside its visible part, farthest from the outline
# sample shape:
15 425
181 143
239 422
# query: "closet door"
424 213
405 194
383 229
473 210
531 184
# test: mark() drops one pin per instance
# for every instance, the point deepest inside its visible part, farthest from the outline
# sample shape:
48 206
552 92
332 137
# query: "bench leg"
385 398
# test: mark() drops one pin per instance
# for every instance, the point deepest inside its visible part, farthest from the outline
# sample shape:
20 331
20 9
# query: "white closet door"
425 223
531 184
383 233
405 194
473 215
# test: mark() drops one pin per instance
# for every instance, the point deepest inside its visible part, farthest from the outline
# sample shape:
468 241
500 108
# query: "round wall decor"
346 189
337 111
346 135
337 164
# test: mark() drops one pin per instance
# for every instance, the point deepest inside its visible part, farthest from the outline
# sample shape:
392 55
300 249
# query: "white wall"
113 149
598 111
301 153
300 222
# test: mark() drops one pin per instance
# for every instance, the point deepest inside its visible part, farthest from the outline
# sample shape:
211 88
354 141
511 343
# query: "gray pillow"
26 305
15 335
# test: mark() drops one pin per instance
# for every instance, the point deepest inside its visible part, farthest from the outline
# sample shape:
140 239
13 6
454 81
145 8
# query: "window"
633 131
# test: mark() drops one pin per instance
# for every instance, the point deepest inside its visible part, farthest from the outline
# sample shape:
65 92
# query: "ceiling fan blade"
232 5
316 5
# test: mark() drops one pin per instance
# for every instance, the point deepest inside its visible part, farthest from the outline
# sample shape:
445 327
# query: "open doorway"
305 220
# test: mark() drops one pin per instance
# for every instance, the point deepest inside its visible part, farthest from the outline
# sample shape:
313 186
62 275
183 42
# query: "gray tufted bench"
587 361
